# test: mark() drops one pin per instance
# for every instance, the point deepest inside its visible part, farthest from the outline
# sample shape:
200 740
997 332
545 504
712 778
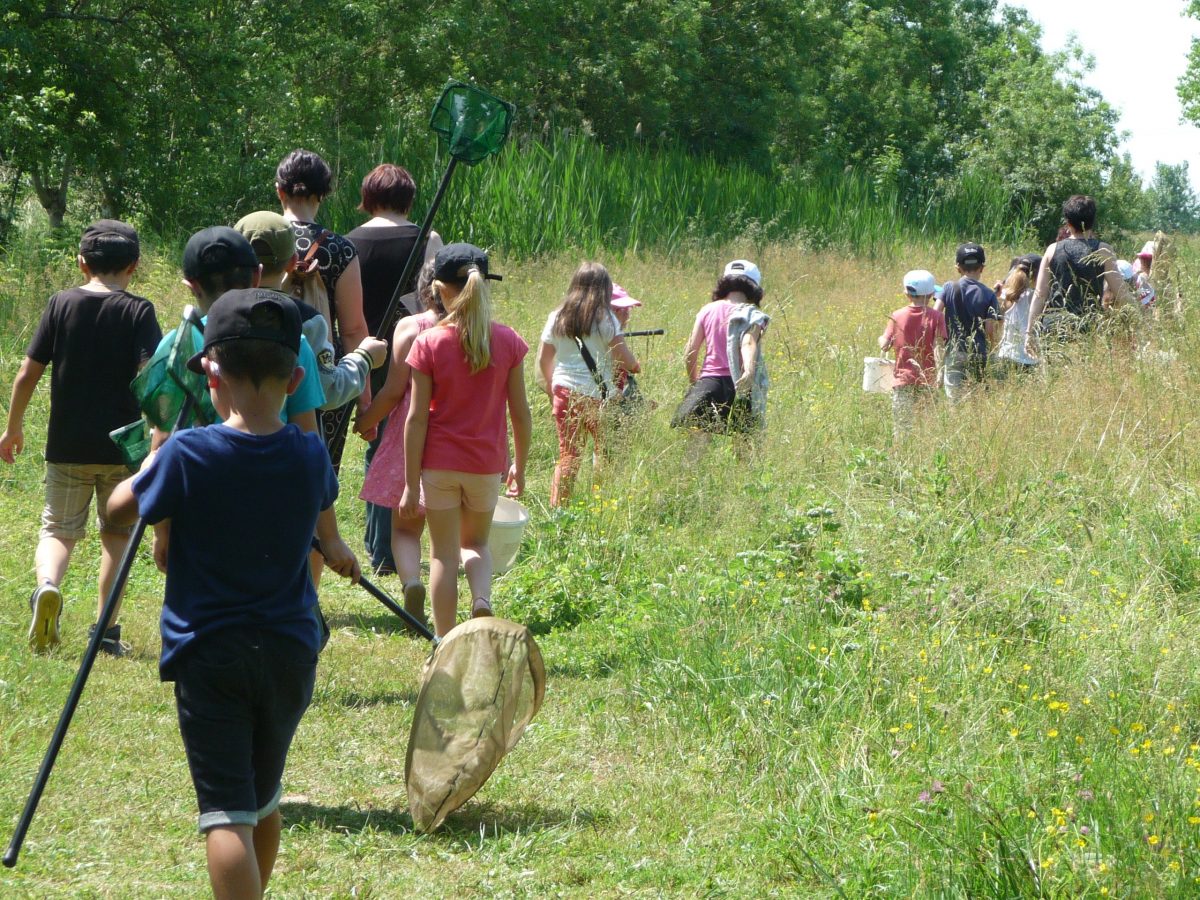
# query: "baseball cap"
920 283
270 236
105 234
453 260
216 249
1147 249
970 255
1125 267
744 267
232 317
621 298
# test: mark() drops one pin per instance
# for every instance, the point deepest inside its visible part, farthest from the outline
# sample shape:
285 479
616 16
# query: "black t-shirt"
382 253
94 344
968 305
1077 276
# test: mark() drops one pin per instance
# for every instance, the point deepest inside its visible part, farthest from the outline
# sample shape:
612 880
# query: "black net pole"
394 308
107 612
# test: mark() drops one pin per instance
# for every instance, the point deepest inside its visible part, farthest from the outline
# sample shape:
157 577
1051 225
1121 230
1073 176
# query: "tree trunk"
53 197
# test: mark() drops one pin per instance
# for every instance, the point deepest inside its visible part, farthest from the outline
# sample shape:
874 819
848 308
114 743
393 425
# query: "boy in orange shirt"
917 333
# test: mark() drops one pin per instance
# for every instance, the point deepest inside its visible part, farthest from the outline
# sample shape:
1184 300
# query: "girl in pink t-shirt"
466 371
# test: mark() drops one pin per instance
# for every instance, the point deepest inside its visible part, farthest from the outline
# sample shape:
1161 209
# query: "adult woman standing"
384 243
302 181
580 343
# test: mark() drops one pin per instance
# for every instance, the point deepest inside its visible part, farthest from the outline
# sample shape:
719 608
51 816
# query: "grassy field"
961 667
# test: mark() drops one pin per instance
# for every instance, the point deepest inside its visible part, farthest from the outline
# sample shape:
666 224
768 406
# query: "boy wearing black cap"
239 628
972 318
219 259
94 338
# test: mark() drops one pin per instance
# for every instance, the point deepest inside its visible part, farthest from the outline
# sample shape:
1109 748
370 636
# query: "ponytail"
471 313
1014 286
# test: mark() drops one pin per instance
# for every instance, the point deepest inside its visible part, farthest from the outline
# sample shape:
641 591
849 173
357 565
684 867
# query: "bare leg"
406 546
266 845
232 865
477 558
51 559
112 548
443 566
316 565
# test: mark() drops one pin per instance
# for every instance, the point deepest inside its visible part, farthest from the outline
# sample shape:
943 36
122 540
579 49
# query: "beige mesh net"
482 686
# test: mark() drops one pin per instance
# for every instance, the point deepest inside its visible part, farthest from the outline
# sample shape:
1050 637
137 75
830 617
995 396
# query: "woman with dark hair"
302 181
384 243
1071 282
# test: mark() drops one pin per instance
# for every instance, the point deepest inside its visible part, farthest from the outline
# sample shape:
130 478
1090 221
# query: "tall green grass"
570 193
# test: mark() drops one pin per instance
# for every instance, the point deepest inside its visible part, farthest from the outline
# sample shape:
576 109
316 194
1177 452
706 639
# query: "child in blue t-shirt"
236 505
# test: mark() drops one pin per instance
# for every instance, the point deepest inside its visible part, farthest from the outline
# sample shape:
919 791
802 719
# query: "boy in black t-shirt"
972 318
94 338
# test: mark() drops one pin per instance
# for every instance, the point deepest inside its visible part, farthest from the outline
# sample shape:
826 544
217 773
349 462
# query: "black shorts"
712 404
240 694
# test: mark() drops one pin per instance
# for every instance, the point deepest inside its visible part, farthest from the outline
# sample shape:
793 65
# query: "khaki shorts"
69 490
446 489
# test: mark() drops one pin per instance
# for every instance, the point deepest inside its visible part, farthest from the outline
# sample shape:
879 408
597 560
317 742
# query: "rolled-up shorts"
240 694
69 490
707 404
448 489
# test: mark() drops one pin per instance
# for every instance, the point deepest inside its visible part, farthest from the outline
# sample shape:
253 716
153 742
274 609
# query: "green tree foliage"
1172 201
178 113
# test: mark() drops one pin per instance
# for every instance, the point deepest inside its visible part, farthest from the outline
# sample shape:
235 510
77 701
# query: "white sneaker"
46 604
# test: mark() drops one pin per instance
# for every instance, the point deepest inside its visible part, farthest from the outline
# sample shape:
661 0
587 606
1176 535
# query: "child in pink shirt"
917 333
466 371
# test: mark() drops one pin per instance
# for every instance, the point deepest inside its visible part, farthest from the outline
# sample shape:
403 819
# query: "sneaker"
46 605
111 643
481 608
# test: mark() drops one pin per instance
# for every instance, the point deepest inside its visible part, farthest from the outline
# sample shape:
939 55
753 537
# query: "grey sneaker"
111 643
46 605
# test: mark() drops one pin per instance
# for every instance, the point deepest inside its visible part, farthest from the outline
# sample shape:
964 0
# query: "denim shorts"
240 694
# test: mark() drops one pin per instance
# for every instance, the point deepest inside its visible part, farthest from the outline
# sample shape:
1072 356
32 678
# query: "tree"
1173 203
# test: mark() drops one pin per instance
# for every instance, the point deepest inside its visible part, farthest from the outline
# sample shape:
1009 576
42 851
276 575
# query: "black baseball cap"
232 317
969 255
216 249
453 261
106 234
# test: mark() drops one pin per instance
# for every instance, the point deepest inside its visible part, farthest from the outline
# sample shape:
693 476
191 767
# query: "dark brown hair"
303 173
589 298
728 284
388 187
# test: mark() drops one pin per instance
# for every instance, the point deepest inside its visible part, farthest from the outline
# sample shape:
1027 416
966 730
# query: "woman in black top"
1073 278
384 243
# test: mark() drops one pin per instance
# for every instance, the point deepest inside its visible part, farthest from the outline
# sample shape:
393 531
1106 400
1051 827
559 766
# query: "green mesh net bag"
165 381
474 123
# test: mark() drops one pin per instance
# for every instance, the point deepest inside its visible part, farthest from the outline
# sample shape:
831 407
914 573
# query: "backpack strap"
591 364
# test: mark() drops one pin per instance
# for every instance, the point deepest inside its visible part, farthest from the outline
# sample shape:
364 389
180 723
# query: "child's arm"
522 426
338 556
692 353
749 349
623 356
545 367
12 441
348 378
415 428
396 382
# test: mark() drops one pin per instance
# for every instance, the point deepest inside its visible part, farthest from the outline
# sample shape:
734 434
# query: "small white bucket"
877 375
508 524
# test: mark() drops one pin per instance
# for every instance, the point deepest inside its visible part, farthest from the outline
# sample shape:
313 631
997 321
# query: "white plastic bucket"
508 524
877 375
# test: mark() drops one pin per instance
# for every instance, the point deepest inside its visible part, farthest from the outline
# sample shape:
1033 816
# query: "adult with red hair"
384 243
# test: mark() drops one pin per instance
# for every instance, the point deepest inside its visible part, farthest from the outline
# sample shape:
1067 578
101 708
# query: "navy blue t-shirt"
968 305
243 509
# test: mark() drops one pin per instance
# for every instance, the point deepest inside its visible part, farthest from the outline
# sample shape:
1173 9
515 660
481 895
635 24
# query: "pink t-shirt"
467 428
913 332
713 318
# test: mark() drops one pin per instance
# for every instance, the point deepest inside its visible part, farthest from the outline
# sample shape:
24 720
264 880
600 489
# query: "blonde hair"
471 313
1014 286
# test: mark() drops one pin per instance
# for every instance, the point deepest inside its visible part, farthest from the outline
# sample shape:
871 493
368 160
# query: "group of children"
954 334
238 506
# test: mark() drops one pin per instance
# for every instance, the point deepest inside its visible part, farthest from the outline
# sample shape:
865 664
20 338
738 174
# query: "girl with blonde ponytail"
466 372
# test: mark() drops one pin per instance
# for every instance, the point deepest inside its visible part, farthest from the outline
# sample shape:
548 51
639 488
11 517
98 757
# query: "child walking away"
384 481
916 332
94 338
239 502
1143 289
1016 295
465 371
580 348
708 406
972 317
